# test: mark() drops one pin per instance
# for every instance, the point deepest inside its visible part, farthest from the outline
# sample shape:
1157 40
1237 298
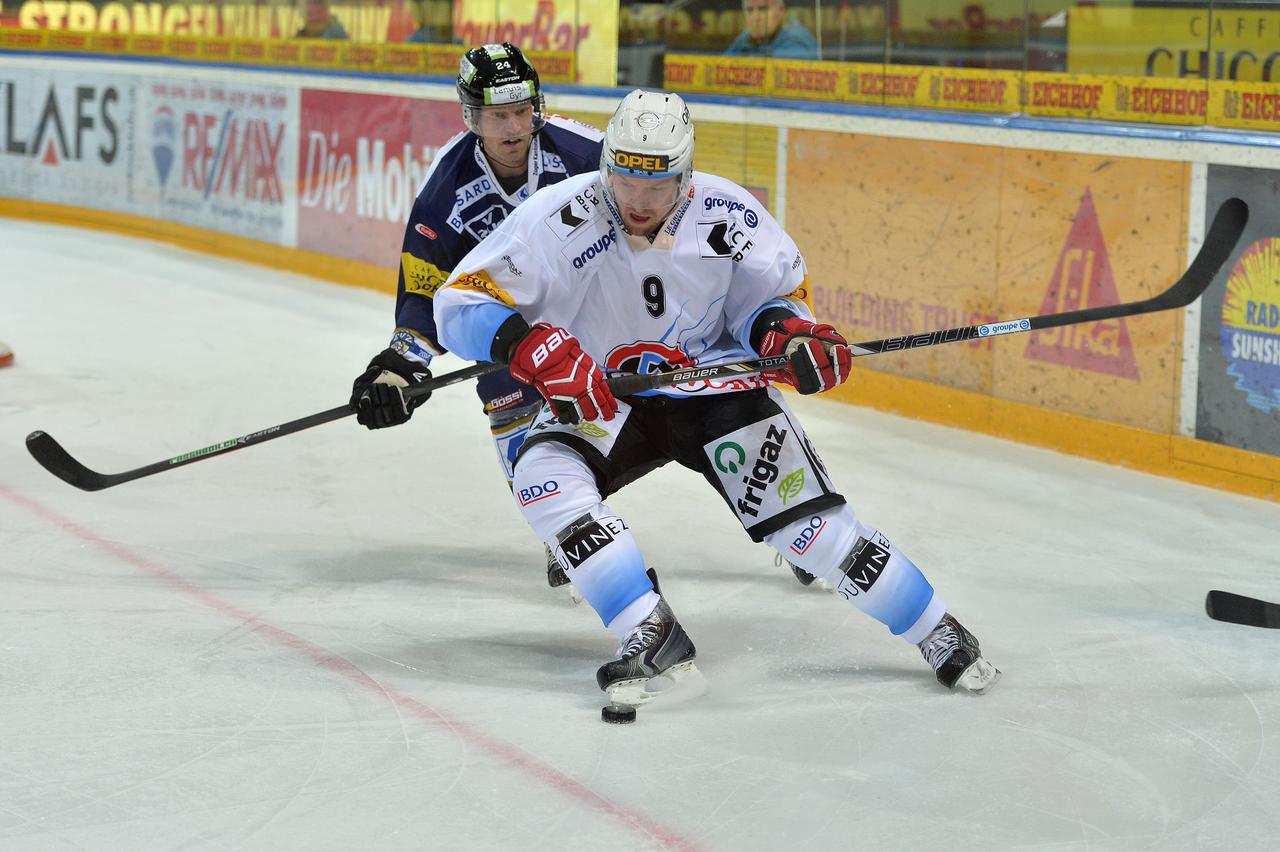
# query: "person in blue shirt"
511 148
771 33
319 22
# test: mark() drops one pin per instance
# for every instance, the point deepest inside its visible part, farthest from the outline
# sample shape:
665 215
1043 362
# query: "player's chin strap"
1224 232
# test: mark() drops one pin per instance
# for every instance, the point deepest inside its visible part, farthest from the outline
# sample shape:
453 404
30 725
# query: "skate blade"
677 684
978 678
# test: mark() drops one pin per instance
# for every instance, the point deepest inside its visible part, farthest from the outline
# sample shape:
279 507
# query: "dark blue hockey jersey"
459 203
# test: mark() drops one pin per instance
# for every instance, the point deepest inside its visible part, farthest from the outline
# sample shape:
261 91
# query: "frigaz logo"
749 216
645 357
1083 279
534 493
1250 333
425 231
164 139
764 472
730 457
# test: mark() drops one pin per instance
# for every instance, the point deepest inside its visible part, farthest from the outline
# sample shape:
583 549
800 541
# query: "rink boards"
907 225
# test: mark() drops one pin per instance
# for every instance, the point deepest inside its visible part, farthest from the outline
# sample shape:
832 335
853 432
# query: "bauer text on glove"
552 360
819 356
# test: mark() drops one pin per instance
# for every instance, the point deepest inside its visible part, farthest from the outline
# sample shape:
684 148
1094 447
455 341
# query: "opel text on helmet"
650 137
498 76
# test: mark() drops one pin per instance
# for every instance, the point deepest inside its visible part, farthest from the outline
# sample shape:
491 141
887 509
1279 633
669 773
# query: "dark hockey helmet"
497 75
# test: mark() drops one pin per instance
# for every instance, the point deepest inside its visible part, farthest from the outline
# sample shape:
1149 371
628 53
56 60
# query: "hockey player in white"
647 266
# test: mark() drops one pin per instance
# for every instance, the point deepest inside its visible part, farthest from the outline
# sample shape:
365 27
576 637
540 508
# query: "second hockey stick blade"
1238 609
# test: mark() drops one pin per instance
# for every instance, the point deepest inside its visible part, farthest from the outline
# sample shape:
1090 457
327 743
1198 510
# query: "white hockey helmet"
649 136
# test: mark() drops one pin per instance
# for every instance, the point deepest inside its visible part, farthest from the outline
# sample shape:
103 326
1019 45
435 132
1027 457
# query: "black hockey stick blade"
1219 243
53 458
1238 609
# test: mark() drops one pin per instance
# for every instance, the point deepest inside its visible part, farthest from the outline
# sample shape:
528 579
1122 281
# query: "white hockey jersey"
687 298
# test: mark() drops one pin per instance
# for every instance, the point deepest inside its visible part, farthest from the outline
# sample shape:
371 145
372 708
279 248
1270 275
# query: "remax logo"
534 493
164 140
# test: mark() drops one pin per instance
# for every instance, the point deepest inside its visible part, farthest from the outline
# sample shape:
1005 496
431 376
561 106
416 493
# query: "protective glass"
504 121
651 194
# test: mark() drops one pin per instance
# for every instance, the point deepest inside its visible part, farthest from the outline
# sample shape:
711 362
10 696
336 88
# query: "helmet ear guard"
495 75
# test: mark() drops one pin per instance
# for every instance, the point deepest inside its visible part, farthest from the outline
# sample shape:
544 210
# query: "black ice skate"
556 576
802 575
655 660
956 659
555 571
805 578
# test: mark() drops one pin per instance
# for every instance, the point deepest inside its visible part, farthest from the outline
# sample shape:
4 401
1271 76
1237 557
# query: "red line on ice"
508 753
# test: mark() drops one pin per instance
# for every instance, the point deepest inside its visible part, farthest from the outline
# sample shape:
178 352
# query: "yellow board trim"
1187 459
335 269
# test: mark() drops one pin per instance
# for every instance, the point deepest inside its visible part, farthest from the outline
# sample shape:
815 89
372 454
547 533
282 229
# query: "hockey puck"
618 714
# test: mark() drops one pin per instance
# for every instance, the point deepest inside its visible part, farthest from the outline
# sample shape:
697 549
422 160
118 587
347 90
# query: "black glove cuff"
509 334
764 322
390 359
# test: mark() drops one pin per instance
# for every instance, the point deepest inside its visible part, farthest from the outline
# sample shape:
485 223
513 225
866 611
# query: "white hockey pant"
557 495
864 568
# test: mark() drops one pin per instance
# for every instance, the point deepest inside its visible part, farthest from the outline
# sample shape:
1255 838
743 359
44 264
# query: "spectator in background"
771 33
319 22
425 33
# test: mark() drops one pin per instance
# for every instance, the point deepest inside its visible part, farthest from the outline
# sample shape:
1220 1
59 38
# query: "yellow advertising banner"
795 78
1072 95
1055 233
1113 98
970 89
892 85
587 27
736 75
1255 106
1229 44
926 217
1084 231
12 38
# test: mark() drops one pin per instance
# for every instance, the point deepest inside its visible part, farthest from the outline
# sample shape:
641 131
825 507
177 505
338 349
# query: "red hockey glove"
551 360
818 354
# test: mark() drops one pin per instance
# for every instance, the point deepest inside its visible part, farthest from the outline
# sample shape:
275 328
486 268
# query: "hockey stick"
1228 224
1238 609
1219 243
53 458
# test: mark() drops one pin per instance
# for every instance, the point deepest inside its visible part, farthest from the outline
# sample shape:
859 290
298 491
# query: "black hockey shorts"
747 444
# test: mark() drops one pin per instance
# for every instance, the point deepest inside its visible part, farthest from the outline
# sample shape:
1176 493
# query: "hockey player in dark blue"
511 149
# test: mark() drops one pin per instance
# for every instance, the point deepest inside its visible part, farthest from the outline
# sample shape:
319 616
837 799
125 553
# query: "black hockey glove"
378 394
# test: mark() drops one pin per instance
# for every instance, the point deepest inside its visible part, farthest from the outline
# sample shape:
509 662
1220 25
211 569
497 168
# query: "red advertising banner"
361 159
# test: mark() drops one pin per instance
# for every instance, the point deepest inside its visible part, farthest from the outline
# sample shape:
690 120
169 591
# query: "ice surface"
344 640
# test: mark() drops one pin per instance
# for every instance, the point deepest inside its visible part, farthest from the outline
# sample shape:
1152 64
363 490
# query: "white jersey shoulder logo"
724 238
580 209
